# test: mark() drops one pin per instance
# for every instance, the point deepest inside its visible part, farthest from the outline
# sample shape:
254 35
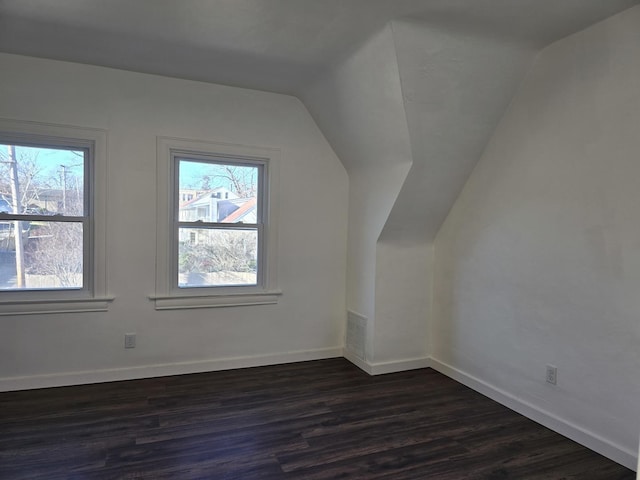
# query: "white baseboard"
160 370
603 446
381 368
357 361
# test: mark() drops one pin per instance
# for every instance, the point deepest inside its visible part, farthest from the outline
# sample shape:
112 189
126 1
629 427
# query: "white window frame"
168 295
93 296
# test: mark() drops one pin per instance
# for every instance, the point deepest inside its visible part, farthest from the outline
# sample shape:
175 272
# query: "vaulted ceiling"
274 45
426 95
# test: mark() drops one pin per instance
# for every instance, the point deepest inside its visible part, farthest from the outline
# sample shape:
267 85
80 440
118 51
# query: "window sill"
176 302
63 305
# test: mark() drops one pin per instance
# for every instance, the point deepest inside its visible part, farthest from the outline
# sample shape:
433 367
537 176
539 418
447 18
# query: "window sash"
259 229
87 283
235 161
87 267
25 217
176 156
55 143
86 219
219 226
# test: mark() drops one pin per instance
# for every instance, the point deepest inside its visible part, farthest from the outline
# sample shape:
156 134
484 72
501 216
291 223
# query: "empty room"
319 239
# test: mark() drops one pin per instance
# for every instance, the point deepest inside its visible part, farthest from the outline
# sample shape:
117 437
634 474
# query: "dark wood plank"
313 420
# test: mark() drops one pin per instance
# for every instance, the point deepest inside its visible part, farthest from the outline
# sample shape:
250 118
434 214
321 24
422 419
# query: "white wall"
408 113
134 109
456 86
539 260
403 303
358 105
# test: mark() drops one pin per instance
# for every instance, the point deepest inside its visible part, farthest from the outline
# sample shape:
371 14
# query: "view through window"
44 217
219 226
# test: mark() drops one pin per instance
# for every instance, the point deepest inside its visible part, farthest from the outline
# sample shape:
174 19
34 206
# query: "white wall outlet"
552 374
129 340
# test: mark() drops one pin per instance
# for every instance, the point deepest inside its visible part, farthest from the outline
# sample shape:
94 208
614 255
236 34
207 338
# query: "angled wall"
408 114
539 260
358 106
456 86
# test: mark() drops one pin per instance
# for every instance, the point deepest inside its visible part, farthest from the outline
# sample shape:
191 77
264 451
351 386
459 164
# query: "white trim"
400 365
357 361
382 368
169 302
160 370
166 295
591 440
61 305
94 297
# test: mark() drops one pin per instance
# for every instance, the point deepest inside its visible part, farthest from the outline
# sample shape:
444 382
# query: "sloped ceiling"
275 45
458 61
456 87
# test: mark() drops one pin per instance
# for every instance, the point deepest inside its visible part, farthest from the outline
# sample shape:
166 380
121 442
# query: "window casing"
61 244
216 248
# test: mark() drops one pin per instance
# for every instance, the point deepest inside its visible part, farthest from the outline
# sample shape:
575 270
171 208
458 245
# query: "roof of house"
241 212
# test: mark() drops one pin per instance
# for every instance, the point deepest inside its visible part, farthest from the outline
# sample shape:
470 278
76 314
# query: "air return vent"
356 334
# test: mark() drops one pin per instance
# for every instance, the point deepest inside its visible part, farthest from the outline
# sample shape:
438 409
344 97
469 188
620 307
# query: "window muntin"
220 230
45 195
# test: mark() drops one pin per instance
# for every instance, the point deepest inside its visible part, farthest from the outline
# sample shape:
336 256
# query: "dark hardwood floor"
313 420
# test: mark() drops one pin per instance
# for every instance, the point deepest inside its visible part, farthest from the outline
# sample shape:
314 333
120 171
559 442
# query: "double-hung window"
50 247
220 230
216 216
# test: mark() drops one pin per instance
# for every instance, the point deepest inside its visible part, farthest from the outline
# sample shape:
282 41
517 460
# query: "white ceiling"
274 45
446 66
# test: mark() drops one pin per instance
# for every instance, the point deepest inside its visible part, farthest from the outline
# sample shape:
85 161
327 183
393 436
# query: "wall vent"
356 334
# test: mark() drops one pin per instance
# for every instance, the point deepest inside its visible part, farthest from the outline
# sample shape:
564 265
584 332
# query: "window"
45 217
218 231
216 225
51 220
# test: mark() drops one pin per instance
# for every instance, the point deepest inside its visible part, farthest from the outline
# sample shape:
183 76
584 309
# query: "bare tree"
228 251
57 251
241 180
23 171
42 248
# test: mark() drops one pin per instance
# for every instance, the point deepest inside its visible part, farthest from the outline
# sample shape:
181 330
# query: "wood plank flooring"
313 420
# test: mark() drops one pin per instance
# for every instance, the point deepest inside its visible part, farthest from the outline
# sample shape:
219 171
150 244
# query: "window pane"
47 255
38 180
217 193
212 257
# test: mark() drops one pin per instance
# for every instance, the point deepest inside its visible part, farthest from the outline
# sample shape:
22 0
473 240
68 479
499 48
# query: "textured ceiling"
273 45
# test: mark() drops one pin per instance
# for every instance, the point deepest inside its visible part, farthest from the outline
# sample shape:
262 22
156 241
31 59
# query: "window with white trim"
51 219
216 217
220 230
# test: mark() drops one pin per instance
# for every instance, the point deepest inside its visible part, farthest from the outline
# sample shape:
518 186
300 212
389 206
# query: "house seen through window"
219 224
44 217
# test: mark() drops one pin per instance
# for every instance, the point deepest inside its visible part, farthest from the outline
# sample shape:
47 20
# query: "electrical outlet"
129 340
552 374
